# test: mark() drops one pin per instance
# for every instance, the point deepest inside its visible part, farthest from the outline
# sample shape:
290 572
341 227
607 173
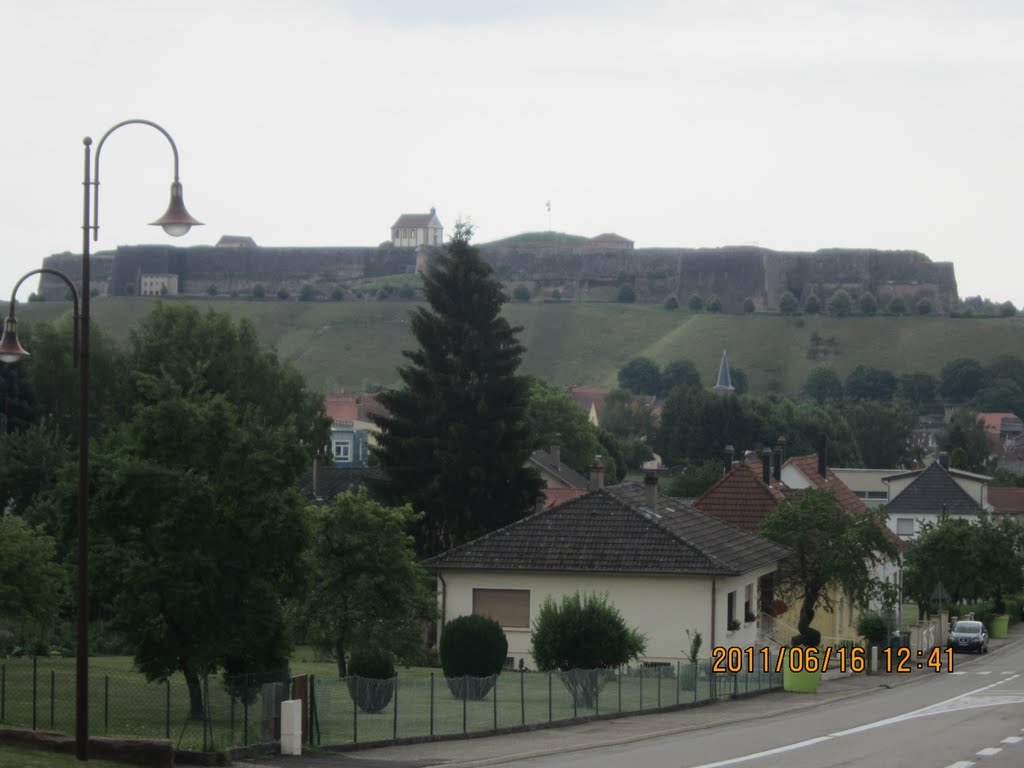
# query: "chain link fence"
219 713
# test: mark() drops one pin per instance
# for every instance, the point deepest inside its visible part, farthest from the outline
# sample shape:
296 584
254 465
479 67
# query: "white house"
665 566
924 495
414 229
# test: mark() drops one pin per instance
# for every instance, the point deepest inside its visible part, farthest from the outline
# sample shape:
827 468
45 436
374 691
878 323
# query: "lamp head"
176 221
11 350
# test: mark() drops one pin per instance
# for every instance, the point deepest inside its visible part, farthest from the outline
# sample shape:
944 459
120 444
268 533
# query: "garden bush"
473 650
371 678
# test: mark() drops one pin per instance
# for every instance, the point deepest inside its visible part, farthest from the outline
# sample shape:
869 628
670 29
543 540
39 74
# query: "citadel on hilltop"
578 268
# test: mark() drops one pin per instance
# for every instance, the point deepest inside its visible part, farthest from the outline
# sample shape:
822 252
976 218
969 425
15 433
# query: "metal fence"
39 694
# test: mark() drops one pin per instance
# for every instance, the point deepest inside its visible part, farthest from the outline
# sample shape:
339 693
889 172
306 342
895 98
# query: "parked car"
968 636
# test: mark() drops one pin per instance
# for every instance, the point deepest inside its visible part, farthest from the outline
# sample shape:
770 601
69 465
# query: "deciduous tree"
834 550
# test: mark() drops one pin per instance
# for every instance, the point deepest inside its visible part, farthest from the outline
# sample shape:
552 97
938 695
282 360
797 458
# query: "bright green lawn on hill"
350 344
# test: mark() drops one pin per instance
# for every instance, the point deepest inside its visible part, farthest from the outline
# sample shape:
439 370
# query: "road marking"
767 753
1012 740
958 673
984 672
1007 672
989 751
961 764
963 701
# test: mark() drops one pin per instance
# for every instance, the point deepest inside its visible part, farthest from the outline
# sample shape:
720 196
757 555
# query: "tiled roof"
808 466
353 406
932 492
587 396
555 496
611 530
1006 500
414 220
546 462
331 480
740 498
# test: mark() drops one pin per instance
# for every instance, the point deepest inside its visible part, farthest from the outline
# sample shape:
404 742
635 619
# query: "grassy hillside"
346 345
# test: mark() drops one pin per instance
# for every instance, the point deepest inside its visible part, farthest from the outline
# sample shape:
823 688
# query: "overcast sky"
792 124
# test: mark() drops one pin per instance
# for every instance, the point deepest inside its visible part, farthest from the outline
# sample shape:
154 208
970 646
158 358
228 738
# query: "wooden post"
300 691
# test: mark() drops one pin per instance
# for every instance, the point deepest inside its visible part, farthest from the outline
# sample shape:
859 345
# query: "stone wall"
584 273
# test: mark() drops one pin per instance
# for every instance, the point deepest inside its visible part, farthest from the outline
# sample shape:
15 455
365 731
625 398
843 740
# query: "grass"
20 757
350 344
122 703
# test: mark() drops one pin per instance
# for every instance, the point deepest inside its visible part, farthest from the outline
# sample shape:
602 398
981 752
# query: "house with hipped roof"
415 229
665 566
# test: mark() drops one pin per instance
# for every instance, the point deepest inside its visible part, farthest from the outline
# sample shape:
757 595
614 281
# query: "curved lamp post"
176 221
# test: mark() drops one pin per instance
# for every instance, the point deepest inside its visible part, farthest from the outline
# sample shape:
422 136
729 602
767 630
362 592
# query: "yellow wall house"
665 566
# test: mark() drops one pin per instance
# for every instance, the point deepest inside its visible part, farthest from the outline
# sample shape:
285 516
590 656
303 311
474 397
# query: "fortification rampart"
732 273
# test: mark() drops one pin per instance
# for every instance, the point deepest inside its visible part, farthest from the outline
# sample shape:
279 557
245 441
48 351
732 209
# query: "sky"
790 124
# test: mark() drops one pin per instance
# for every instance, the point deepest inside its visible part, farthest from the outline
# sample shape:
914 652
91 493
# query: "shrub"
812 304
1006 309
212 289
627 295
406 292
788 305
924 306
556 295
585 633
695 302
521 293
811 638
840 303
259 291
671 303
897 306
371 680
473 651
872 627
748 305
714 304
337 294
283 294
868 304
307 293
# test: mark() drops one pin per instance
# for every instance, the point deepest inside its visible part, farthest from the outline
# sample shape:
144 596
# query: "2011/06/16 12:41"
844 658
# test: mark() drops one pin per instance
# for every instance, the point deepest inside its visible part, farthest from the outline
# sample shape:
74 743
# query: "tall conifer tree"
456 442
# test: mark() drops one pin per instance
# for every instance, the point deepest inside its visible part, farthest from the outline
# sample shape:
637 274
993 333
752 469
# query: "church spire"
724 379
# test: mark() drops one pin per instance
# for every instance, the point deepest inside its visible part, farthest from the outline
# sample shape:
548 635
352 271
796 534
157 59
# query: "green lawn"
122 703
350 344
19 757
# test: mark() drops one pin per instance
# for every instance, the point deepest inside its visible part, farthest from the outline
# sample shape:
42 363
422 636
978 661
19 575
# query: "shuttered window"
508 607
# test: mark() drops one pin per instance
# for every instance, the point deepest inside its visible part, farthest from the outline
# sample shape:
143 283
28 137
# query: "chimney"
823 455
766 466
651 490
944 460
727 456
777 463
556 454
596 474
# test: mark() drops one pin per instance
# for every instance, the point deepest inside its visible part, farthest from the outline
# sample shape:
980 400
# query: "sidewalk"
493 750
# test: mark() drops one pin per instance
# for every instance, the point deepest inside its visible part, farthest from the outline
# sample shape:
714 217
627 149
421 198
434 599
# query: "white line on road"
989 751
961 764
985 672
1012 740
944 706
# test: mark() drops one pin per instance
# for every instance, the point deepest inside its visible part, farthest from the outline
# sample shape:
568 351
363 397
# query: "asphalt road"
973 716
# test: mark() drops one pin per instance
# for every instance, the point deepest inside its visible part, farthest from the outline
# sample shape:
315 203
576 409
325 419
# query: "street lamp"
176 221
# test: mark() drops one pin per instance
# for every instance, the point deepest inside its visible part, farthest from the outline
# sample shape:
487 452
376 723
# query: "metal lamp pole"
176 221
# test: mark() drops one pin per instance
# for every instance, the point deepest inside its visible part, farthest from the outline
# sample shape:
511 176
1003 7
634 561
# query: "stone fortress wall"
578 273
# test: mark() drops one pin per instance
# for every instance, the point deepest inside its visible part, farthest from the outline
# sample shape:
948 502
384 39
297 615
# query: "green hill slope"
347 345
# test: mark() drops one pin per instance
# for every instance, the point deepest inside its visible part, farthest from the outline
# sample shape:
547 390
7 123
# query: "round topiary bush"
473 650
872 627
371 678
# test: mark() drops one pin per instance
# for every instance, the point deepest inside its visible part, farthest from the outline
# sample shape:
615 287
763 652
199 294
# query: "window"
748 603
730 608
905 526
508 607
343 451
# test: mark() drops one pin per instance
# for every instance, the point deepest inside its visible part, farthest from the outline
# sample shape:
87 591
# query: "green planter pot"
999 626
802 681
